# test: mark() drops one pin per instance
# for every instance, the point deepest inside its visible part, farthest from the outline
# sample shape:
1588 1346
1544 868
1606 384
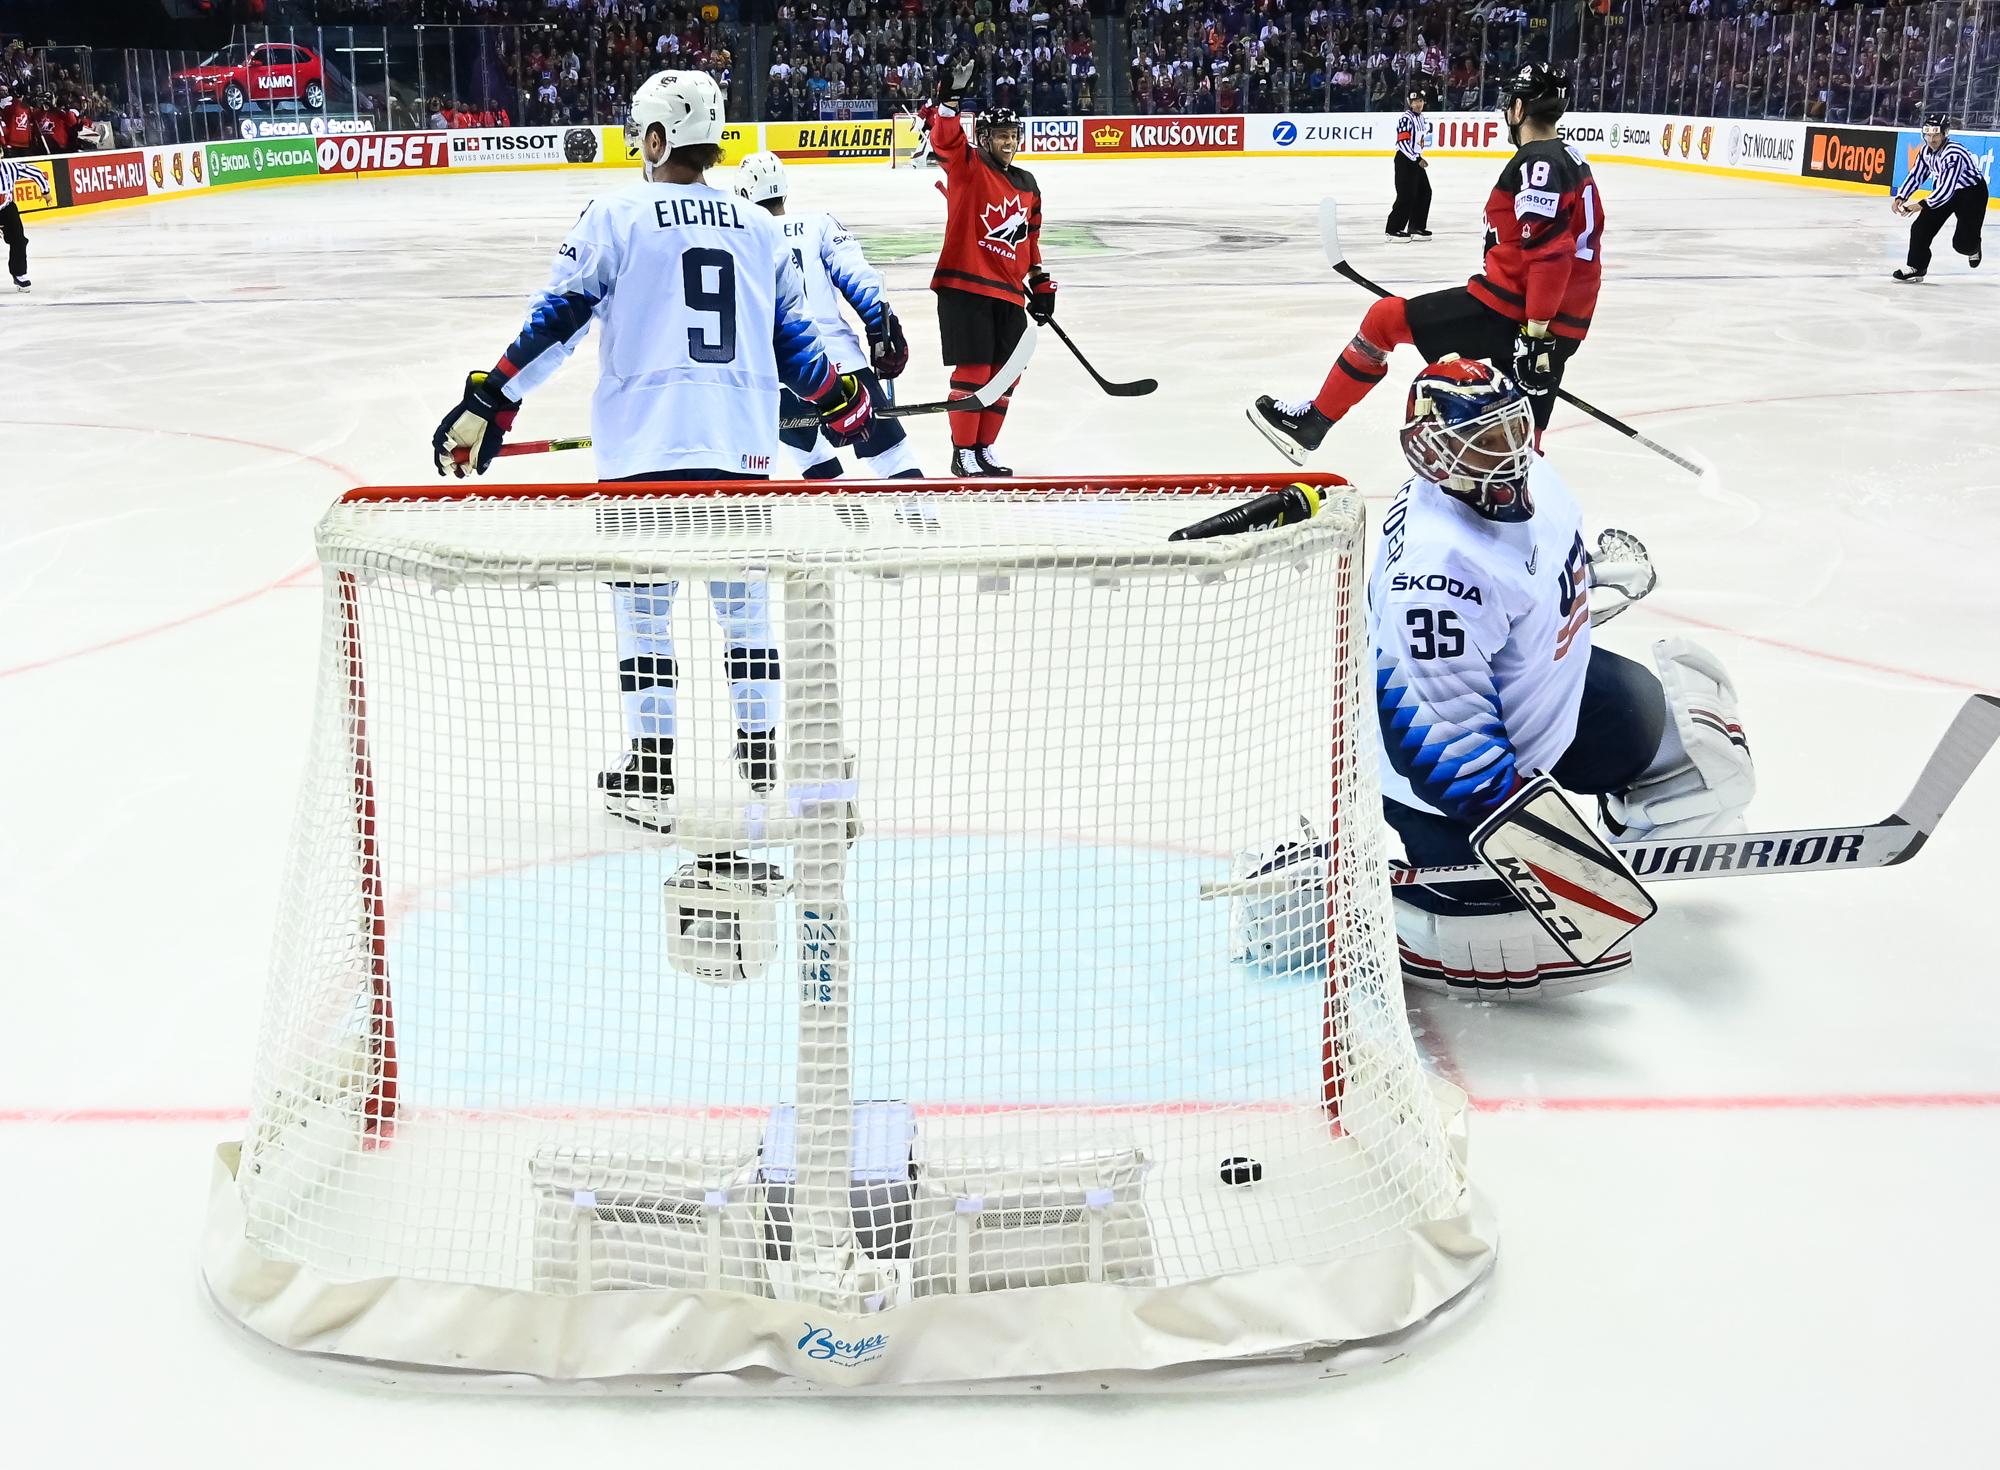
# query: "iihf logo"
1006 224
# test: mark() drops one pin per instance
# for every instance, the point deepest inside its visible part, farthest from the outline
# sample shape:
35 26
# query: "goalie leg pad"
1493 956
1702 777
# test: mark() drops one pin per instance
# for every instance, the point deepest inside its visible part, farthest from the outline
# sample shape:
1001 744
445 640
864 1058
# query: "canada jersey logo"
1005 224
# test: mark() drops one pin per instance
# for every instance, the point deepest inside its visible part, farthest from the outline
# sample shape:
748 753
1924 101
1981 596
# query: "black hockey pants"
1619 722
1967 207
1412 210
1454 320
16 238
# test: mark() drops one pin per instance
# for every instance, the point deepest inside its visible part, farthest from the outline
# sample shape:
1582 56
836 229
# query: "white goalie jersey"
703 318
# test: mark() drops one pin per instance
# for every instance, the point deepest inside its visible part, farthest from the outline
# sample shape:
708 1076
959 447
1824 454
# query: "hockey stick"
1138 389
582 441
1895 839
526 446
990 392
1329 238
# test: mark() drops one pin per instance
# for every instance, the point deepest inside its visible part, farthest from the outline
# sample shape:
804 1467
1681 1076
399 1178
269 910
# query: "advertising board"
244 163
307 127
1164 135
1054 137
828 142
1852 155
96 177
33 182
178 169
738 143
382 153
1982 147
517 147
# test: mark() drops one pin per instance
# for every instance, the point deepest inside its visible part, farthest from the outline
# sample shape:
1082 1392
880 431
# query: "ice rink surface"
1744 1193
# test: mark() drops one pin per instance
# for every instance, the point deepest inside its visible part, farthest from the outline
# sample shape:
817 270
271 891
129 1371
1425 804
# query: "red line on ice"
288 579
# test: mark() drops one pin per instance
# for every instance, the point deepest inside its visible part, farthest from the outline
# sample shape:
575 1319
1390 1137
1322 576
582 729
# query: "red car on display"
266 73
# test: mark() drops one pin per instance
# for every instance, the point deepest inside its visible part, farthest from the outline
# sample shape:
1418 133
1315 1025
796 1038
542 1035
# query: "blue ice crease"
985 970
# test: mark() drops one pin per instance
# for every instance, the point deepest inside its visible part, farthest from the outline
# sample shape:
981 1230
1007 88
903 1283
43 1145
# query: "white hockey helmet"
686 104
761 176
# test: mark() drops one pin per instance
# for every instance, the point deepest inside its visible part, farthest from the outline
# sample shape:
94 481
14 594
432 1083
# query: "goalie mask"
1467 429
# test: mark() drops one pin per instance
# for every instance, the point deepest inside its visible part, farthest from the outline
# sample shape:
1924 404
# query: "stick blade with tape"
1329 231
1577 888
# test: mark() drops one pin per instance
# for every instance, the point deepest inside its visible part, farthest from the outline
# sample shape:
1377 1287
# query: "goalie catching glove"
845 411
476 426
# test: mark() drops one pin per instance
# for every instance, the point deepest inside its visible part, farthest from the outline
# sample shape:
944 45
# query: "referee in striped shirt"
1957 192
1410 218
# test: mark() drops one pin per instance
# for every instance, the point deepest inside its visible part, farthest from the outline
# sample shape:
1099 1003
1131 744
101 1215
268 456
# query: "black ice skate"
1403 235
757 758
976 464
1420 234
1971 260
23 282
1295 428
640 787
1903 275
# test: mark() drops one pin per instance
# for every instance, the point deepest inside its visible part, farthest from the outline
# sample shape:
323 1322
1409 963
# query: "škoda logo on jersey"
1006 225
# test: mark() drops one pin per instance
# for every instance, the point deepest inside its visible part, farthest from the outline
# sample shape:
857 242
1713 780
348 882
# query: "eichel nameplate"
1576 887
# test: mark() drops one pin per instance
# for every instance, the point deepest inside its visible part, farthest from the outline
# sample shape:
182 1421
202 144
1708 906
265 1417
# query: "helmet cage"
1446 421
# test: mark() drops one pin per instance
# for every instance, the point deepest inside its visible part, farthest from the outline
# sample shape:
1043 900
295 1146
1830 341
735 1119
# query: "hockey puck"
1241 1171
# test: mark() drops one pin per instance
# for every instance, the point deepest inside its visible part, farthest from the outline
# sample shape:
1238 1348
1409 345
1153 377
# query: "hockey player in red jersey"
992 259
1527 312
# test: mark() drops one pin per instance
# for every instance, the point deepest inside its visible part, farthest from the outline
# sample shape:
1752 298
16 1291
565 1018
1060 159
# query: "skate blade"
1291 450
654 813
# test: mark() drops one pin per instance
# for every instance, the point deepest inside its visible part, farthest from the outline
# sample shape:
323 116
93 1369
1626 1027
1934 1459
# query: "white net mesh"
941 1011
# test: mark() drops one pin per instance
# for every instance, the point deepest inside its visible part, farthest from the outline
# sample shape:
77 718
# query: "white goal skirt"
926 1069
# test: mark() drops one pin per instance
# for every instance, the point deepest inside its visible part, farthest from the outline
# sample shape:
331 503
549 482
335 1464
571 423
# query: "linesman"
1410 218
1957 192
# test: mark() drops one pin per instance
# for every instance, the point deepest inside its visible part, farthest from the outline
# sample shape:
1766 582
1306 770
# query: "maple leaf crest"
1006 223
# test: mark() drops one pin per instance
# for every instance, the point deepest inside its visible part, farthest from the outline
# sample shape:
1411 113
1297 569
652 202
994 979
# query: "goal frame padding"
669 1338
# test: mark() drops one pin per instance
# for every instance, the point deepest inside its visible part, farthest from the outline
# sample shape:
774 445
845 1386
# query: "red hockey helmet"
1467 429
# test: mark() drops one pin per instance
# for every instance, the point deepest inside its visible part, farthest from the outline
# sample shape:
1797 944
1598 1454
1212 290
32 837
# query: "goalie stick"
1329 238
989 394
1895 839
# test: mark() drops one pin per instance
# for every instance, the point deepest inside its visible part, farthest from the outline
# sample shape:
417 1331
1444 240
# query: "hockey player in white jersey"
836 273
702 320
1479 621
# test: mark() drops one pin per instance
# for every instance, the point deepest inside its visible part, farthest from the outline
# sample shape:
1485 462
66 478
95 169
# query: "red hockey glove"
845 411
1042 299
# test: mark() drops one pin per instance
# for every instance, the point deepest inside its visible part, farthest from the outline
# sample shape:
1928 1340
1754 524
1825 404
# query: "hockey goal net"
905 1049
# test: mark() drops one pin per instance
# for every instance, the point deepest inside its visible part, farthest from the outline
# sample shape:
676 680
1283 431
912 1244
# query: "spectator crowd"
496 63
51 107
